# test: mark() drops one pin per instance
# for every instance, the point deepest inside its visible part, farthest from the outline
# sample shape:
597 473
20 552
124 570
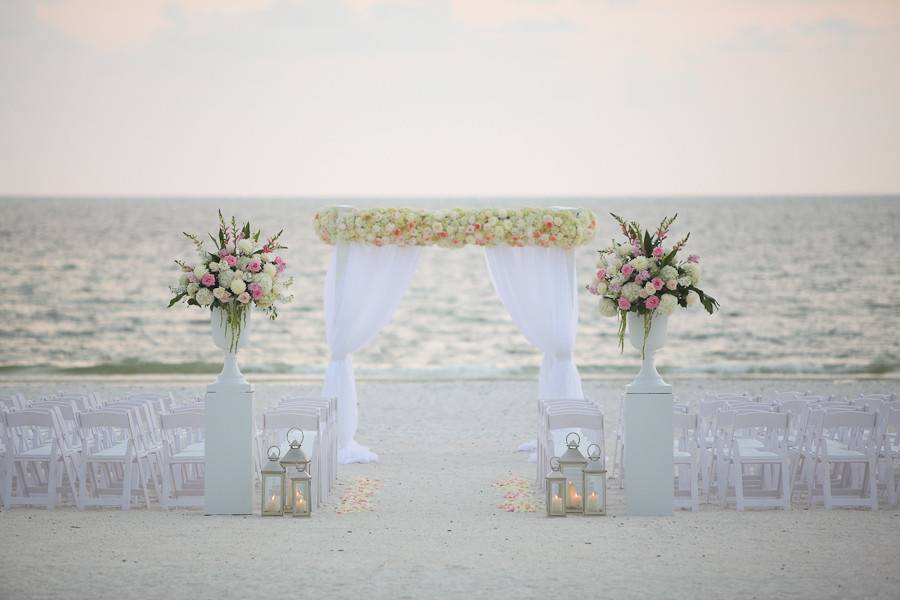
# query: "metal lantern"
571 463
594 483
556 490
294 461
272 485
301 501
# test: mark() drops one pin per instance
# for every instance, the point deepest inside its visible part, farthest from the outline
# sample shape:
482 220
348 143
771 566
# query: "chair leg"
127 483
52 478
7 482
873 484
739 486
826 484
695 486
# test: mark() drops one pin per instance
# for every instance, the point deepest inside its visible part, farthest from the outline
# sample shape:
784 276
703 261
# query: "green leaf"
175 300
648 244
213 257
193 302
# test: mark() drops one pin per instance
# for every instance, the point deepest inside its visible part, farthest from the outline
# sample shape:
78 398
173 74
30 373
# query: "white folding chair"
754 441
686 458
183 459
107 472
329 445
37 466
275 425
890 452
844 439
560 421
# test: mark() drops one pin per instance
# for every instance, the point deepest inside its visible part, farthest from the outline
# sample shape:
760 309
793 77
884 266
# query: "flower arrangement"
645 277
238 274
458 227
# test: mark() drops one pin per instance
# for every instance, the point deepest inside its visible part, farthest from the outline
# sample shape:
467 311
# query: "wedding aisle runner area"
428 521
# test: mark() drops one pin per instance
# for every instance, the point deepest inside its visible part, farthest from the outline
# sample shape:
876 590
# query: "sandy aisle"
436 531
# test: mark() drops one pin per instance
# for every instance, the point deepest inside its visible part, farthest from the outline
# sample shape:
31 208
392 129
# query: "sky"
449 98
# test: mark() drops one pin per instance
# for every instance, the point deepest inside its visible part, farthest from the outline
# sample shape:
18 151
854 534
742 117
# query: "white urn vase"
648 379
229 342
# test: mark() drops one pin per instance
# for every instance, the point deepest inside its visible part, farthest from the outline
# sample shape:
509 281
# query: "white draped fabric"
538 287
363 288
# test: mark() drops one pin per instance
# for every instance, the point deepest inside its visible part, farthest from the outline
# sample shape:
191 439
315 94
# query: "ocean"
807 286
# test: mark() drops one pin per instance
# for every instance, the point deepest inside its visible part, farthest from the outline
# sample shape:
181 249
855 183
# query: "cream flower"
668 272
200 271
204 297
238 286
667 304
245 246
270 269
225 277
192 289
214 267
640 263
693 271
608 307
693 298
631 290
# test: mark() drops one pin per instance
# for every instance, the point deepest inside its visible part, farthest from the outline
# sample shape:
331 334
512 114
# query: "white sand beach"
435 529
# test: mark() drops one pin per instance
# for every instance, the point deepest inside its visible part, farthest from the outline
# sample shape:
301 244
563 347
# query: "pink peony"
627 270
279 264
231 260
624 304
658 252
208 280
657 283
652 302
601 274
255 291
243 298
693 258
254 266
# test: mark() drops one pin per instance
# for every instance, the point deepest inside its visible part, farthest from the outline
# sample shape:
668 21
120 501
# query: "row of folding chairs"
559 417
102 454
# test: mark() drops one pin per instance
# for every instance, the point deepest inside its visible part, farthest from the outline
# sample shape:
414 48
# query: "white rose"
608 308
693 271
214 267
248 277
219 293
601 287
624 250
238 286
204 297
649 288
684 281
667 304
245 246
225 277
668 272
613 263
266 257
692 298
269 269
631 290
199 271
640 263
192 289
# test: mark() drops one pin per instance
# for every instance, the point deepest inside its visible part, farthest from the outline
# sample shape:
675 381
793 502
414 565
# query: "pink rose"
255 291
658 251
657 283
627 270
244 298
231 260
279 264
255 265
643 276
652 302
671 284
624 304
693 258
601 274
208 280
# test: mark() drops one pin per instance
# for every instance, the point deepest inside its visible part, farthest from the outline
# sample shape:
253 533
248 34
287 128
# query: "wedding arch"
530 258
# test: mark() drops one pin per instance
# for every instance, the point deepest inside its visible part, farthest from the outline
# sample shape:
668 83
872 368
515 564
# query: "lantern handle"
288 435
554 466
277 453
593 456
577 440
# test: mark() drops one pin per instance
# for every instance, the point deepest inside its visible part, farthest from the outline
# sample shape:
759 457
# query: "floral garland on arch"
458 227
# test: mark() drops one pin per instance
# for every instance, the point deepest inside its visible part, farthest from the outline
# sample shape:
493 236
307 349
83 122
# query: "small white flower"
684 281
693 271
608 307
204 297
192 289
649 288
266 257
668 272
245 246
667 304
214 267
624 250
270 269
640 263
225 277
238 286
631 290
601 287
200 271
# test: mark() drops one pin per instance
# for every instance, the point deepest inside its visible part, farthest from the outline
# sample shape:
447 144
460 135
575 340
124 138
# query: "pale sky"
452 98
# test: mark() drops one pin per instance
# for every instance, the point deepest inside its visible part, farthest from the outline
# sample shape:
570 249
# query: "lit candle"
299 500
556 504
573 500
273 503
593 502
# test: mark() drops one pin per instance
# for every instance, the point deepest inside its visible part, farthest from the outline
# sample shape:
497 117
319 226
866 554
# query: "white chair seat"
753 453
39 452
681 455
116 452
746 443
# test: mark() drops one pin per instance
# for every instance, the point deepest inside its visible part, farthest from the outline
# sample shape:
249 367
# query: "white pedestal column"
648 451
229 449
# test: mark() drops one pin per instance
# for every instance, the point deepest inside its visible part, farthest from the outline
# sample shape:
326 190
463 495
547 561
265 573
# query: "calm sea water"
807 286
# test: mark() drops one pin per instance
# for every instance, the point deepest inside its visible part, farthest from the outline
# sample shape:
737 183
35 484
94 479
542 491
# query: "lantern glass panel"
300 497
272 501
595 493
556 498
